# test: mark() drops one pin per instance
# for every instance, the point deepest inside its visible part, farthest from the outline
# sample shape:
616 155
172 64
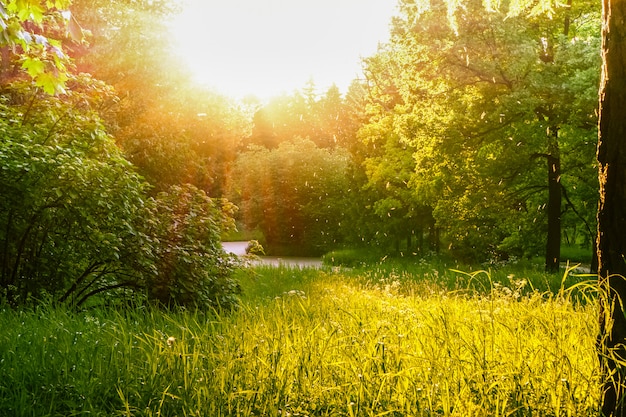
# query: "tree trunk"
611 239
420 240
553 243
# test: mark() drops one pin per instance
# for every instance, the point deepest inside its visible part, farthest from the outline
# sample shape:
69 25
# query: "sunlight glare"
268 47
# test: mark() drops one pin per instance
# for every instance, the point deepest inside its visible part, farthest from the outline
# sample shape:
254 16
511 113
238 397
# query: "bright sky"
269 47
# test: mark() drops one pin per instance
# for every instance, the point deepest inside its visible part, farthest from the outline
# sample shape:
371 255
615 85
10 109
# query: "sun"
268 47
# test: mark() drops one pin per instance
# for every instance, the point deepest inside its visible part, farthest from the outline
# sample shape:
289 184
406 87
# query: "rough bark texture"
612 209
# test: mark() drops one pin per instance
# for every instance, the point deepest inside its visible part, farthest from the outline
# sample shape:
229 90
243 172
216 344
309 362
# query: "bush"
69 198
190 267
255 248
76 222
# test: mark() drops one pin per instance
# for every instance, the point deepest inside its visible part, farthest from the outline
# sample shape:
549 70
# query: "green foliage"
463 120
325 120
36 29
189 266
175 132
75 215
76 219
295 194
311 344
194 142
70 199
255 248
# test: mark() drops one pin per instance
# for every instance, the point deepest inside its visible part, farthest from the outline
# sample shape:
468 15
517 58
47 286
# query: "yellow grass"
332 345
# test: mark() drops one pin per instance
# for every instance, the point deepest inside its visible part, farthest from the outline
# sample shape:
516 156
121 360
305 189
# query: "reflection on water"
237 248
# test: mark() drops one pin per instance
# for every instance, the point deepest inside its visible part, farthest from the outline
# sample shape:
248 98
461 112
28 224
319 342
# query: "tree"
38 32
323 120
294 194
611 243
187 139
473 103
172 130
75 216
389 166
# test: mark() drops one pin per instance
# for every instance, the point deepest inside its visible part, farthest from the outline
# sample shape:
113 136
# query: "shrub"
190 267
69 198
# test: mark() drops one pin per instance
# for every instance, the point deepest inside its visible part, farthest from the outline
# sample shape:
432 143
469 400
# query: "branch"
540 155
26 115
22 242
569 202
82 278
481 75
127 284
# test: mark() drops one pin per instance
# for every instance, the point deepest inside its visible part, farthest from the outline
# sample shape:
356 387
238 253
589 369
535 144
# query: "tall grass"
453 275
313 343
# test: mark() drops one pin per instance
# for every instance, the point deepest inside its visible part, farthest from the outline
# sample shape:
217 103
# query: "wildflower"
171 340
296 293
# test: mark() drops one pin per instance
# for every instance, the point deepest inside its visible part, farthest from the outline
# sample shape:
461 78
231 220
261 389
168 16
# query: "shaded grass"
264 282
317 343
577 254
453 275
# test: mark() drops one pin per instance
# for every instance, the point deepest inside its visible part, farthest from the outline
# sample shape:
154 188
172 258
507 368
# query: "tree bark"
611 239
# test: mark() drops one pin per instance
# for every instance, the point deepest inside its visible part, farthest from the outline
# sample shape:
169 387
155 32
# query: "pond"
239 249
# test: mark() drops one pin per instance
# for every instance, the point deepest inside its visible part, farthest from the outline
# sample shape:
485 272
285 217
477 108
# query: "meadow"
380 341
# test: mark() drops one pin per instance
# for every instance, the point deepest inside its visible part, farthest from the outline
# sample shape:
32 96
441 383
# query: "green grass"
315 343
453 275
576 254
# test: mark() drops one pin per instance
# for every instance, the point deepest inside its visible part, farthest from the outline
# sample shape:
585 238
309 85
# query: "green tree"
172 130
194 142
75 216
323 120
389 167
475 101
294 194
368 228
38 31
